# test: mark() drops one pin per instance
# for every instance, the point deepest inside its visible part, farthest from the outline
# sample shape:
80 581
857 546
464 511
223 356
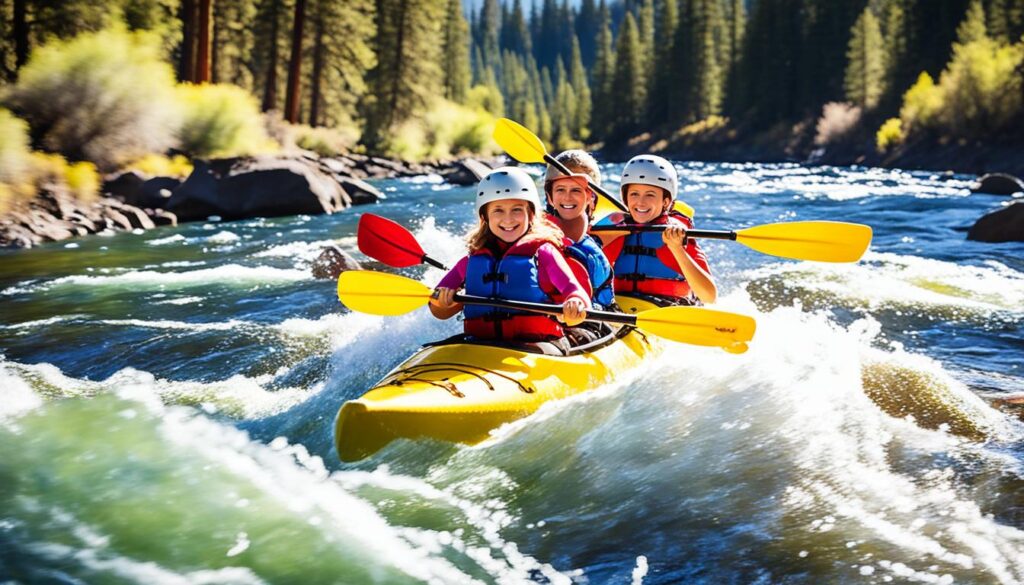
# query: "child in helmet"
571 204
514 254
664 264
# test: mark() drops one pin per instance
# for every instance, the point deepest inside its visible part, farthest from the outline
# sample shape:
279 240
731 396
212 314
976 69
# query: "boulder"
162 217
466 172
360 191
124 186
332 261
998 184
1002 225
256 187
155 192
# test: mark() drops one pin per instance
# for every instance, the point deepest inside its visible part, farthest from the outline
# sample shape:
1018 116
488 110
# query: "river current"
167 399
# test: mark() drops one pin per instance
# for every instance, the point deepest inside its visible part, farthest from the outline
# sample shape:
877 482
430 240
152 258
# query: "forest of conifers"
379 71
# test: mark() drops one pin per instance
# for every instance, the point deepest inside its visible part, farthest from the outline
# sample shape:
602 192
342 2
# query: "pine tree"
545 46
343 31
973 26
455 52
629 90
865 69
407 74
233 41
658 103
587 23
269 44
578 79
998 24
645 26
490 25
604 76
709 33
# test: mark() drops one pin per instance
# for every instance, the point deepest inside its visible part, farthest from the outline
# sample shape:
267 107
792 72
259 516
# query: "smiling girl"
665 263
514 254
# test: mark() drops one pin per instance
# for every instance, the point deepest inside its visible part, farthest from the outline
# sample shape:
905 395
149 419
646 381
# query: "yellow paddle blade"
699 326
823 241
684 208
518 141
379 293
604 208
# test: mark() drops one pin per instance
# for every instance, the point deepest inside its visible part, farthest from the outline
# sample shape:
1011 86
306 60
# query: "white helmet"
648 169
506 183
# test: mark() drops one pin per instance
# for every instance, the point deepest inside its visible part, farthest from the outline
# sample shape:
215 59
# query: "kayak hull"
460 392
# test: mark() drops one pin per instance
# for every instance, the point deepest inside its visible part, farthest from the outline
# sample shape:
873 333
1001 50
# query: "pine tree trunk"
291 100
270 91
187 65
399 53
20 33
203 38
318 68
215 47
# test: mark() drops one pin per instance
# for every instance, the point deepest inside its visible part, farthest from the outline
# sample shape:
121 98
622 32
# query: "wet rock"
332 261
116 220
998 184
162 217
466 172
124 186
1002 225
256 187
360 191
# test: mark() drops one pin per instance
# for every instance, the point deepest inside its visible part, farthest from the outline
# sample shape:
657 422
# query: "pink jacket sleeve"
555 272
456 277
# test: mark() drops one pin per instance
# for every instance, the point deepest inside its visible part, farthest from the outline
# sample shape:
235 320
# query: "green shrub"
921 104
14 150
889 135
105 97
158 165
219 121
981 87
325 141
81 178
446 129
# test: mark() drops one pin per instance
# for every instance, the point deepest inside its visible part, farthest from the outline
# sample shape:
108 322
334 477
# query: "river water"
167 398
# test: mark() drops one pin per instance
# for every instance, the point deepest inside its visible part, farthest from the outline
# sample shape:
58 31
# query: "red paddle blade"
386 241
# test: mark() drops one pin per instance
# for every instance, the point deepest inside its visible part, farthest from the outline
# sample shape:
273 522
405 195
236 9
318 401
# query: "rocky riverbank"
233 188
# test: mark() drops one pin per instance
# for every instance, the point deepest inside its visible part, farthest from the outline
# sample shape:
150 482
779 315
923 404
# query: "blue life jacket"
589 253
514 276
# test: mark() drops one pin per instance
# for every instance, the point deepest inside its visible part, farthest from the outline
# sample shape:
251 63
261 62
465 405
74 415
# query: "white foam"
231 274
179 325
166 240
223 237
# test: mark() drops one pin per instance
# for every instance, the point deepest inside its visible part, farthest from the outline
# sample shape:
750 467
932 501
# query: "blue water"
166 401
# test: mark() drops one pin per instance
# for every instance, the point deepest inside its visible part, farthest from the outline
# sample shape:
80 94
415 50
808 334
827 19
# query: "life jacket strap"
640 250
496 277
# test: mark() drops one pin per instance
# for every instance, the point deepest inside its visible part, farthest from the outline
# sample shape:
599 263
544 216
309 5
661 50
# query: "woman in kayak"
665 263
514 254
571 203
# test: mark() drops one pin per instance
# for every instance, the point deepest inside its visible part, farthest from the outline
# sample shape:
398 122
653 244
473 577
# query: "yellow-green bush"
981 87
889 134
921 103
326 141
220 120
446 129
106 97
158 165
81 178
14 150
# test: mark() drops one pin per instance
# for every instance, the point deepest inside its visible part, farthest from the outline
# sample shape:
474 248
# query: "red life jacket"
514 276
644 264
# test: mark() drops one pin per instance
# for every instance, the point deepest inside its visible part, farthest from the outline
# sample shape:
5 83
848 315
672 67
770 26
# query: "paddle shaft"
707 234
598 316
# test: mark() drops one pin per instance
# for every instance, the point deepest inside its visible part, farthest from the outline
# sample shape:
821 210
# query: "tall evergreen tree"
233 41
581 88
407 74
344 32
269 44
973 27
292 93
545 46
865 69
587 23
709 34
604 75
456 53
663 70
490 32
630 92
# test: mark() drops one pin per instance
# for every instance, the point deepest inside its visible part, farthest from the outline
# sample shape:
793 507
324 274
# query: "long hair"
540 228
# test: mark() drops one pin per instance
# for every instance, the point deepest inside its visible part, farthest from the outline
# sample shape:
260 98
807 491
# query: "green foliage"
347 35
220 121
921 104
864 81
446 129
629 88
81 178
326 141
981 88
456 53
106 97
14 148
973 27
159 165
889 135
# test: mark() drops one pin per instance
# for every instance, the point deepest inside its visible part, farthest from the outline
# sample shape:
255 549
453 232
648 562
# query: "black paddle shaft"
597 316
706 234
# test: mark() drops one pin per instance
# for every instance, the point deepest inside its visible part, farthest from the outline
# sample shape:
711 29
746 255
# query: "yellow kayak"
459 392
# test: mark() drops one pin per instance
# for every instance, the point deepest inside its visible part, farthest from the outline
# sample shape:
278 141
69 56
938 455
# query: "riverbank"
230 188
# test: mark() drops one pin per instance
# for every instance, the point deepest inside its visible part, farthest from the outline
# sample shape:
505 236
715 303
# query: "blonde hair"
541 228
580 161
